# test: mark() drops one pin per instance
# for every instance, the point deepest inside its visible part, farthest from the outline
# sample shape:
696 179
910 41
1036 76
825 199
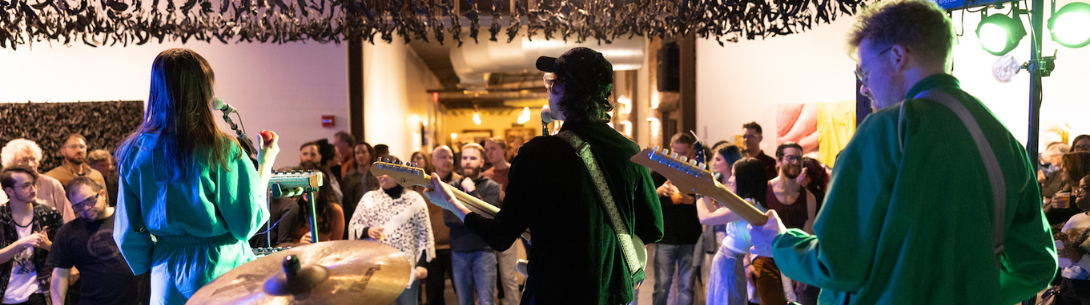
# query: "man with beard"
751 140
474 262
74 150
790 199
23 152
87 244
440 267
26 228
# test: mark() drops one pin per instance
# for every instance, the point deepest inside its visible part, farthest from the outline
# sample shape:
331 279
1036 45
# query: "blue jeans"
666 256
474 271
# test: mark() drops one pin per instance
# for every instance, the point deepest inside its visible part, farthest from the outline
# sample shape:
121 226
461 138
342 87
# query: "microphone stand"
247 144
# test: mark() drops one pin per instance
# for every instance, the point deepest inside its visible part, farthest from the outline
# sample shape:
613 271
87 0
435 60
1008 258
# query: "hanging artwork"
112 22
104 124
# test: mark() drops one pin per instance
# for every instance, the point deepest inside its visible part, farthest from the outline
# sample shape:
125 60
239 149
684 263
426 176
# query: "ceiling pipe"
472 62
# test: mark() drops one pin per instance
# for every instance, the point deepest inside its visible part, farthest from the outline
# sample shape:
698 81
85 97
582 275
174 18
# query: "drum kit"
334 272
330 272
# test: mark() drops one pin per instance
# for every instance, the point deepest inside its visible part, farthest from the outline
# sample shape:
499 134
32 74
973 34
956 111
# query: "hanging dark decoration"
110 22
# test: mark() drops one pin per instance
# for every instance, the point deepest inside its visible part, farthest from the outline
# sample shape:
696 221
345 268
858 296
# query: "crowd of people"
932 202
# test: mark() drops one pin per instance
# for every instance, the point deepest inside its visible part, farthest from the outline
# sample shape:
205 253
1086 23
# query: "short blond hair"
919 25
98 155
19 146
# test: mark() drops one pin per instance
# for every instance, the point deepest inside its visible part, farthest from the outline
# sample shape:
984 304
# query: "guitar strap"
991 164
624 238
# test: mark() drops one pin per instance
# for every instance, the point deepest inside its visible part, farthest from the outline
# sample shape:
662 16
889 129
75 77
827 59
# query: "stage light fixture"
1070 26
999 34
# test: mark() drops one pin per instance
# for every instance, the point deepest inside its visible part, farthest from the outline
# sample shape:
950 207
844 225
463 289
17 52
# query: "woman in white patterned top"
399 218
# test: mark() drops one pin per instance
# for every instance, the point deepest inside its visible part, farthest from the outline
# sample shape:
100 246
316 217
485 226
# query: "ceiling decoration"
112 22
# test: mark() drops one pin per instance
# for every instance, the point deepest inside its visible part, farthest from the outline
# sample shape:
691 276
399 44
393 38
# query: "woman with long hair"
422 160
727 283
327 211
358 180
187 183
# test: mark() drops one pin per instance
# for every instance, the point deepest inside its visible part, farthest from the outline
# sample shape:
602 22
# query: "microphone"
546 118
546 115
218 104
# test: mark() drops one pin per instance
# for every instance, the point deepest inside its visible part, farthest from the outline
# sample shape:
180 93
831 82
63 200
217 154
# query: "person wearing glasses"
87 244
74 151
792 200
911 212
26 231
751 140
1081 143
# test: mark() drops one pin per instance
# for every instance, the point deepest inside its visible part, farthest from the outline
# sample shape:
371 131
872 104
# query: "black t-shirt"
104 274
681 226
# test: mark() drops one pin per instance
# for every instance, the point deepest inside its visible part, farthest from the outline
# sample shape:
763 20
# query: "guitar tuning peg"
655 149
692 163
665 152
673 155
700 166
684 159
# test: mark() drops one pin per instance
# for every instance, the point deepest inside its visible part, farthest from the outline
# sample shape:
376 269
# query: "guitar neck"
737 205
473 203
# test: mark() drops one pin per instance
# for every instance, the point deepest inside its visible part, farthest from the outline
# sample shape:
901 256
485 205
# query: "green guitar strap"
624 238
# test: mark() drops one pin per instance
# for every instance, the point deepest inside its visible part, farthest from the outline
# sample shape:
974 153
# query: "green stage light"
999 34
1070 26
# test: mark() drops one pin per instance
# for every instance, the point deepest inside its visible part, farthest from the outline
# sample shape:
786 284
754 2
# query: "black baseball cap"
587 69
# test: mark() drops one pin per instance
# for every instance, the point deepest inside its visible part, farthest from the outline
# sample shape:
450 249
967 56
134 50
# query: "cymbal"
355 272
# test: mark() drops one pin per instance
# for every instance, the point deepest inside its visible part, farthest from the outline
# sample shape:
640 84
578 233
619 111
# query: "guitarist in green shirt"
910 216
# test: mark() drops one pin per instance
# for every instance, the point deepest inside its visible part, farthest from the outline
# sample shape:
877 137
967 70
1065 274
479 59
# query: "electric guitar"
692 178
408 176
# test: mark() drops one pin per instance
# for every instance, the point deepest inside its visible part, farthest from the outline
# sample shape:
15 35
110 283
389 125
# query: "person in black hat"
576 257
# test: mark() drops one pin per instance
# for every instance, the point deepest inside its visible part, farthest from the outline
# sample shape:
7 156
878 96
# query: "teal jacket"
915 226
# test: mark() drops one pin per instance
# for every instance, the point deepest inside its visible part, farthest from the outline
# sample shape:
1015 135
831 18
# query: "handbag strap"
624 238
991 164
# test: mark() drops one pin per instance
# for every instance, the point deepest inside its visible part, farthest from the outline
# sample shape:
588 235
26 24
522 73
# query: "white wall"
395 84
743 82
285 88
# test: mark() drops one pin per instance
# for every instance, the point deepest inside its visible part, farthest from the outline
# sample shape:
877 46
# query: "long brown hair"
179 112
1077 165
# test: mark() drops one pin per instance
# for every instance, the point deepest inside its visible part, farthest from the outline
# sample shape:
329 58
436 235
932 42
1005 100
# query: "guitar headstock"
687 175
407 175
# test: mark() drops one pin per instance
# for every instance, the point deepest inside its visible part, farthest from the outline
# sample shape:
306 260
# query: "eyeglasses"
1084 147
749 136
860 74
1080 191
86 203
791 158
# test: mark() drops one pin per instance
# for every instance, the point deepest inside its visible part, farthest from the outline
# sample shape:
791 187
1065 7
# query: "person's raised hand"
267 147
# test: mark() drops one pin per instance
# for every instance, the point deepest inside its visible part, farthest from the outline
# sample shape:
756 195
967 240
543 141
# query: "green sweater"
915 226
